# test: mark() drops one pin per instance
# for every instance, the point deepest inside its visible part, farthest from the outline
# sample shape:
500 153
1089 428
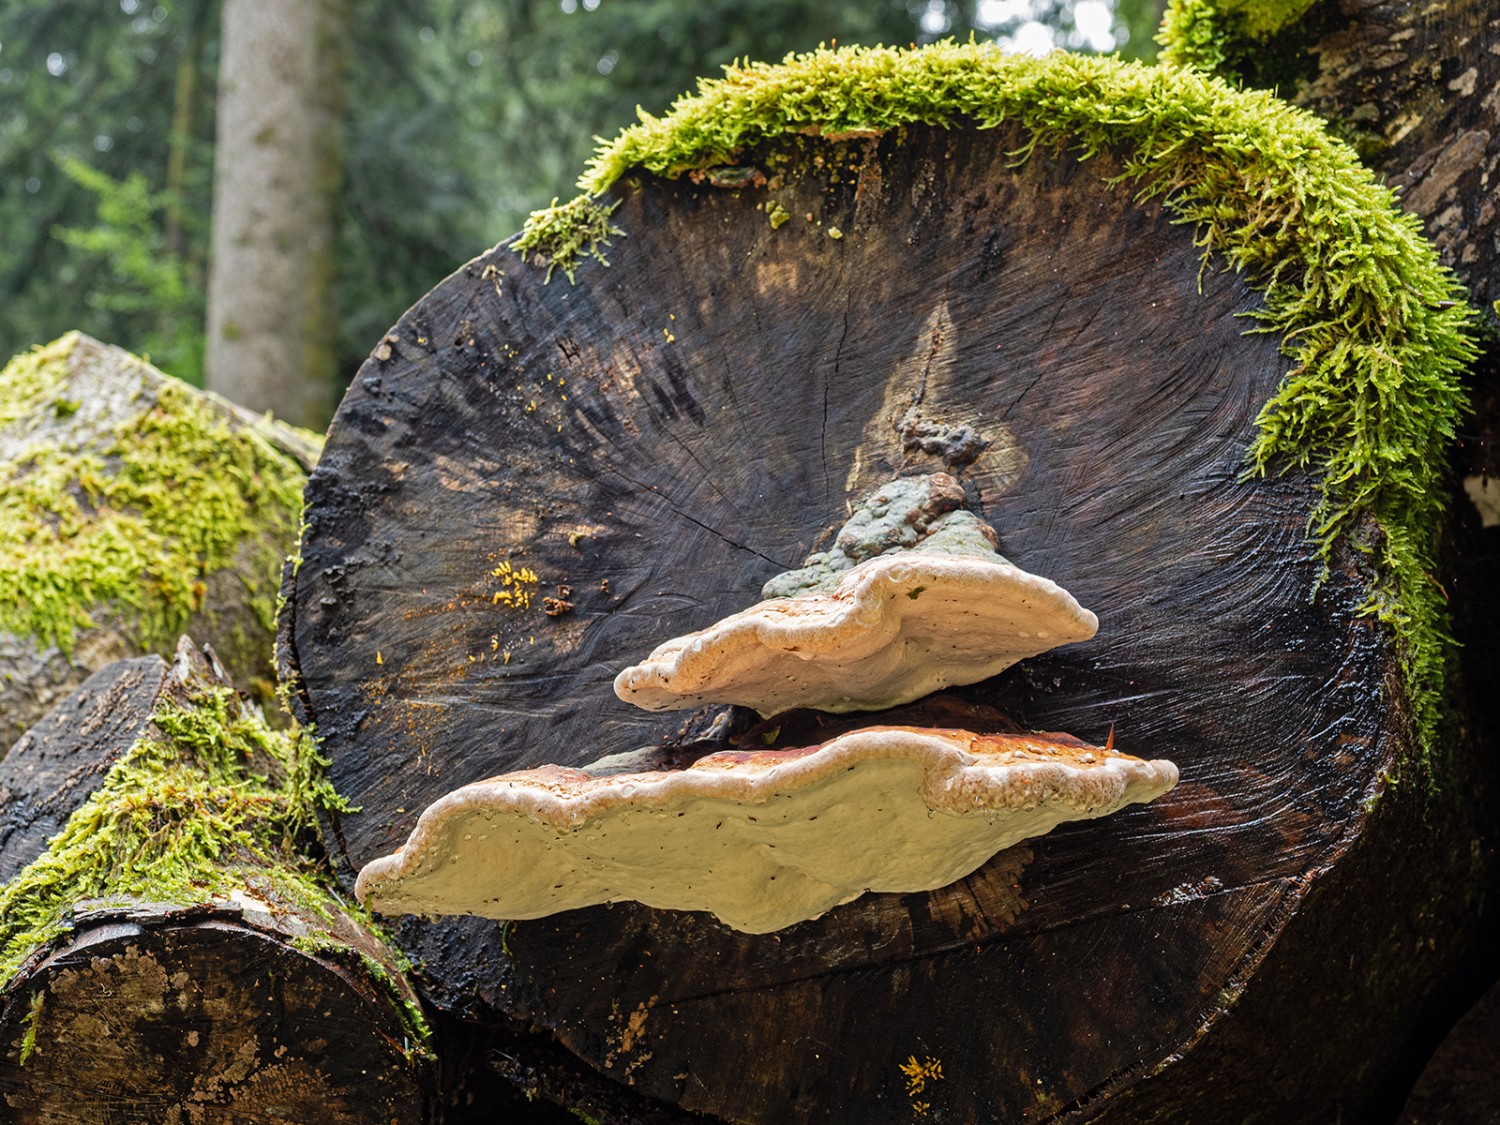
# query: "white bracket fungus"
912 598
762 839
894 629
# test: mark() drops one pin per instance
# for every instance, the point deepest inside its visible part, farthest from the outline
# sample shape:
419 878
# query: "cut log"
167 955
531 485
133 508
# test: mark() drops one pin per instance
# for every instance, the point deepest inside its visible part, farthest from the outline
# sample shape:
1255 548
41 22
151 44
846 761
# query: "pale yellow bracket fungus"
911 599
894 629
761 839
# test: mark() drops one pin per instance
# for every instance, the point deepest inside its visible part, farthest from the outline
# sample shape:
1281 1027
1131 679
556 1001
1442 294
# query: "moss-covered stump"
862 265
167 953
133 508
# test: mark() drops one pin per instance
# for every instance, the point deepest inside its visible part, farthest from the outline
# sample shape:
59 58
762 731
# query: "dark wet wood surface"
55 766
661 438
208 1019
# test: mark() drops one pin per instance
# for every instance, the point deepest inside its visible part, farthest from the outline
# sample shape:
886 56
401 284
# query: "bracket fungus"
913 598
762 838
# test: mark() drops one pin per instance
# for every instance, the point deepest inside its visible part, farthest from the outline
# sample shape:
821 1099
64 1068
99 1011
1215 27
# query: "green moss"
29 379
30 1020
562 236
1375 331
132 526
209 802
1218 35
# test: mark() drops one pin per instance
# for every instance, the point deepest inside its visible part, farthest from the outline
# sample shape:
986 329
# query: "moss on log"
1411 86
133 508
168 952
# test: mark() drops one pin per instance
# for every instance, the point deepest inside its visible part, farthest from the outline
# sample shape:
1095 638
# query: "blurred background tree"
460 117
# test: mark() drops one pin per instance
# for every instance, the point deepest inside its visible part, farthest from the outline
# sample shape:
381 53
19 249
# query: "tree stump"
530 485
134 508
135 992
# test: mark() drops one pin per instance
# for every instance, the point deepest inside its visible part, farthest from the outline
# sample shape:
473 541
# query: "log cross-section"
132 992
530 485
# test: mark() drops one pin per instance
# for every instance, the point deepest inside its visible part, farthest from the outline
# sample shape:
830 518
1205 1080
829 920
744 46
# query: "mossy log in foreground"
133 508
823 275
166 954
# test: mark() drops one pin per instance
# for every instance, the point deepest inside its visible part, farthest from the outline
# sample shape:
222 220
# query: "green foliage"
98 86
1134 23
145 282
1376 332
462 117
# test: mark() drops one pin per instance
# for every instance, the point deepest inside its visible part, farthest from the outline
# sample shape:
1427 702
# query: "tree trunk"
255 1000
653 444
272 319
133 507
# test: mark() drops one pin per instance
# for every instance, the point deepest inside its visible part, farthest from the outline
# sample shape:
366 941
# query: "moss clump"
1375 330
131 523
1216 35
207 803
564 235
27 381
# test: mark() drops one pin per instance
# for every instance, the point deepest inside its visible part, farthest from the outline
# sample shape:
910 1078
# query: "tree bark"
656 442
252 1005
1416 83
135 507
272 319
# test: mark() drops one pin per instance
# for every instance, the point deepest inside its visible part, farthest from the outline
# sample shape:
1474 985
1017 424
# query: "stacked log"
168 951
134 509
533 483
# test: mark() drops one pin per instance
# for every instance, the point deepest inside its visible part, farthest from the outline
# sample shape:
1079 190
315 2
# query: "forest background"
453 120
